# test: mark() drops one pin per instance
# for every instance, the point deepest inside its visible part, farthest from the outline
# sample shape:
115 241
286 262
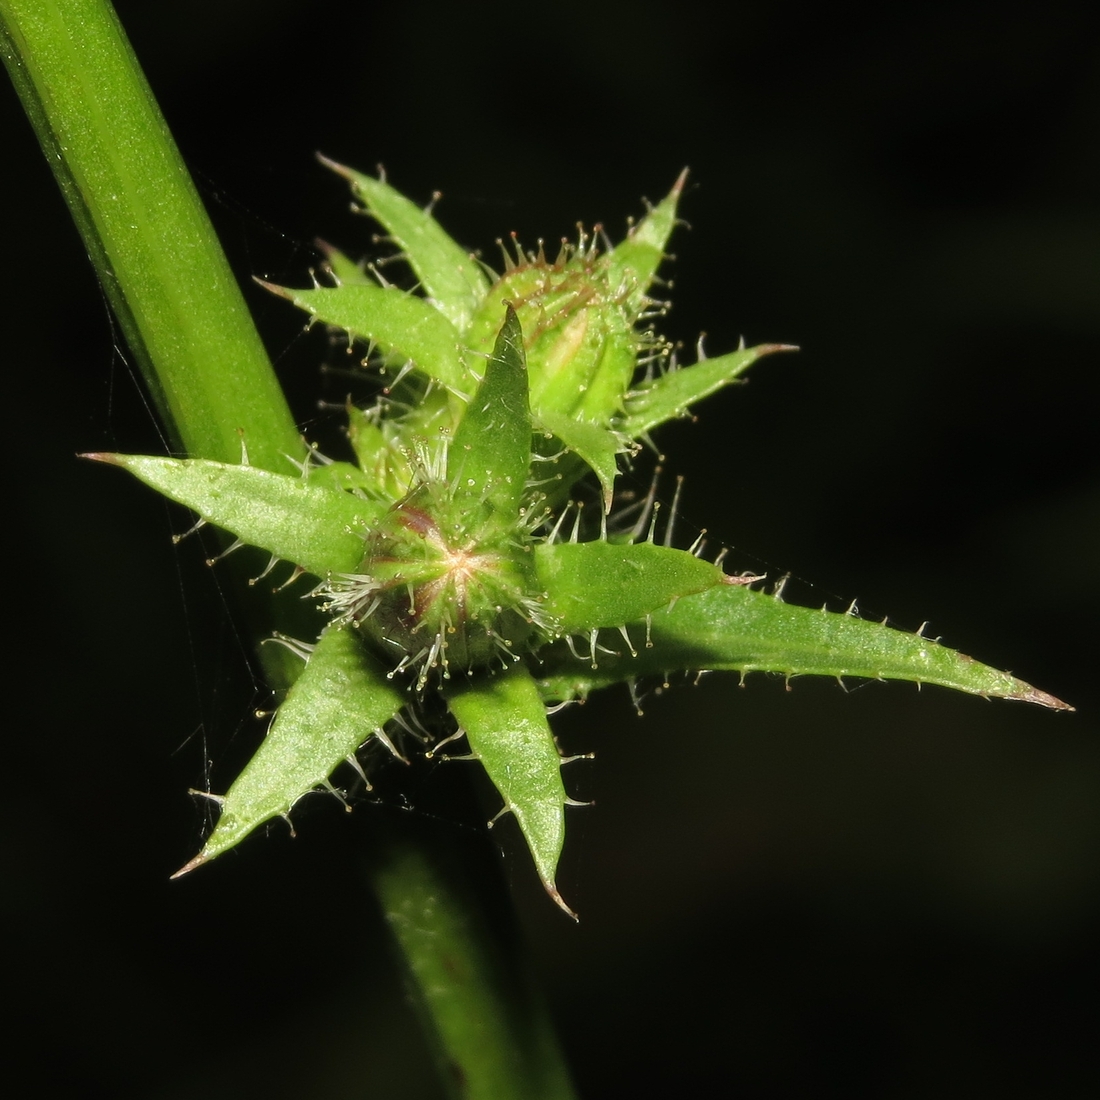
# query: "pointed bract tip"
559 901
338 168
1027 694
189 866
281 291
102 456
681 180
329 251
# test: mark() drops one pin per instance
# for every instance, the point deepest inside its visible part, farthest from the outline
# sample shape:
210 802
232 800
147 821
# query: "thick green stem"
146 231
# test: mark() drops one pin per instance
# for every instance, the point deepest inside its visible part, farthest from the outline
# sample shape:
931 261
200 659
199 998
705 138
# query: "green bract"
452 557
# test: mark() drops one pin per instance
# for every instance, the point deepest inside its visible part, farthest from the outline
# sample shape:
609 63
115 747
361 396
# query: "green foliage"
455 560
505 723
294 518
338 703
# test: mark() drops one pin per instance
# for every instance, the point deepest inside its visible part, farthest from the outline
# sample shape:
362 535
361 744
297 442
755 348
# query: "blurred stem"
187 326
468 976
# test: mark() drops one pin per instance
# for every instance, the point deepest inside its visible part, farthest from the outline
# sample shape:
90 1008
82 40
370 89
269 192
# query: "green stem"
466 971
146 231
185 320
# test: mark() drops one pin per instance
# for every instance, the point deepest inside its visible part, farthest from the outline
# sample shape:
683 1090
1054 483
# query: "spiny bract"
451 555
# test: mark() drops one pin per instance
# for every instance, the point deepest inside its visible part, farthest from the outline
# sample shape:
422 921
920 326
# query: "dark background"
880 893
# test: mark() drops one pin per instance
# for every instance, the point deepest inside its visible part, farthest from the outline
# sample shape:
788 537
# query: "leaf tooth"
236 544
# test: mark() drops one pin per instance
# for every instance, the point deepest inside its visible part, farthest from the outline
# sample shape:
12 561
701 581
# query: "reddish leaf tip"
339 169
1027 694
681 180
189 866
281 291
102 456
559 901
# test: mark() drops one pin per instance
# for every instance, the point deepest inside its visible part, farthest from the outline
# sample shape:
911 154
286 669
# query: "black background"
879 893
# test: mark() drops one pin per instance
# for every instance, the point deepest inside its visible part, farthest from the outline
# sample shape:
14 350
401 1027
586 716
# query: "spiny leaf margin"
738 629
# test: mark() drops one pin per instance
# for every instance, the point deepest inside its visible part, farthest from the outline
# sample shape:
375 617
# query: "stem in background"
157 257
146 231
185 320
465 967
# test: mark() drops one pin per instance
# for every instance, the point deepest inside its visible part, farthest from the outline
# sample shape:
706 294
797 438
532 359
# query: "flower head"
443 555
